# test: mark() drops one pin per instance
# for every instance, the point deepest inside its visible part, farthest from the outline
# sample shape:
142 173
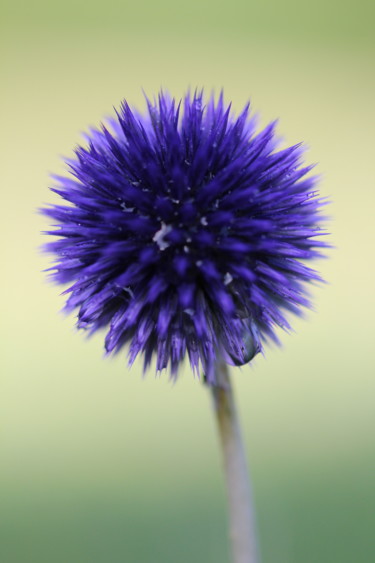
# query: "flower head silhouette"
185 232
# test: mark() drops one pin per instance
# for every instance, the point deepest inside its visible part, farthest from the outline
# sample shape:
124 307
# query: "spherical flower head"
185 233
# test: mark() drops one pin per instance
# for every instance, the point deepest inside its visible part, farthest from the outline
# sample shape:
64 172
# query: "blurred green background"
100 466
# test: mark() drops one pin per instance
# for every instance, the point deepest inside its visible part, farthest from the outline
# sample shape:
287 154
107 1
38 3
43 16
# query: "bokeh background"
101 466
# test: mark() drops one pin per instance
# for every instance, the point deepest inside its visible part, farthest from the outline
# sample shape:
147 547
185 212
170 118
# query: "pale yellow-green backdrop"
100 466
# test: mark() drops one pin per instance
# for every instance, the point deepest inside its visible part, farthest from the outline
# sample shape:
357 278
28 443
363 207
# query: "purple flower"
185 232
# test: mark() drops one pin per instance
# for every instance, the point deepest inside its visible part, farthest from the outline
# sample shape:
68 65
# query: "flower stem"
241 517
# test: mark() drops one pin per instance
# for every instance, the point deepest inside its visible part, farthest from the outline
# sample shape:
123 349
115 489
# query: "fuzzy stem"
241 517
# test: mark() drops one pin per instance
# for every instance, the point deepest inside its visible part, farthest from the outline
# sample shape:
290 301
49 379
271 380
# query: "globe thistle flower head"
185 232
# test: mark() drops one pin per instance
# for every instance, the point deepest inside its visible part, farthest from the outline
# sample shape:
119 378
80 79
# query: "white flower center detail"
159 236
125 208
228 278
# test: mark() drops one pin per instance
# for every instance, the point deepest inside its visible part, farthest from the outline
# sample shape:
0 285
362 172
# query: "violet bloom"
185 232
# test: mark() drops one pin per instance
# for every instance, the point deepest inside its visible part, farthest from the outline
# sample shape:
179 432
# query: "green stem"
241 517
